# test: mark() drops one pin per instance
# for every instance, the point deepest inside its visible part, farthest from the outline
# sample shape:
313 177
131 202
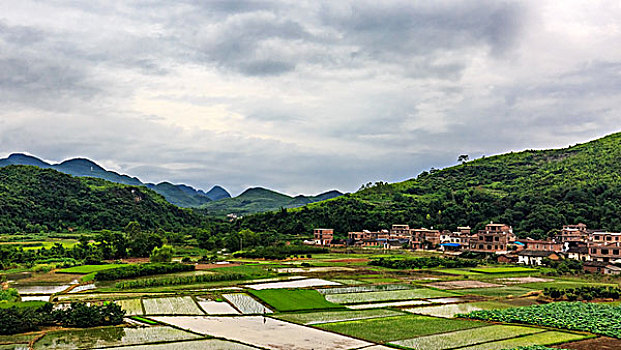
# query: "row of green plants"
419 263
179 280
29 316
583 293
138 270
279 252
589 317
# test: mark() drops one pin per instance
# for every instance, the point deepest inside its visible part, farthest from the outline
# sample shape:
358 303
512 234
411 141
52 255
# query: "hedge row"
583 293
420 263
139 270
180 280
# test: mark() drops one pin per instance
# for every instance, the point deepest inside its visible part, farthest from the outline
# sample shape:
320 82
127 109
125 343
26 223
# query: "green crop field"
294 300
543 338
86 269
398 328
503 270
337 316
467 337
395 295
459 272
496 292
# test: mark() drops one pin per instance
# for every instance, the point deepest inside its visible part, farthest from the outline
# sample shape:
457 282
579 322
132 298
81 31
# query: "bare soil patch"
463 285
601 343
516 280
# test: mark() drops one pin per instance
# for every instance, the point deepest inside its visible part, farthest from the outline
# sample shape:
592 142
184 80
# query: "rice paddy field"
338 302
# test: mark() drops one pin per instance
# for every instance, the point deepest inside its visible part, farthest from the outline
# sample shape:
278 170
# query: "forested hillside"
535 191
34 199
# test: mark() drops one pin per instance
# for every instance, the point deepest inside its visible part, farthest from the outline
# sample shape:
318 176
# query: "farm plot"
396 295
398 328
171 306
497 292
264 332
347 281
311 282
463 284
337 316
590 317
517 280
388 304
314 269
246 304
358 289
503 270
466 337
212 307
451 310
110 336
86 269
131 306
294 300
543 338
207 344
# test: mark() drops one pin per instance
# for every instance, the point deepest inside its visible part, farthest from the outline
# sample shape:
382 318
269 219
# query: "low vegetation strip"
398 328
543 338
337 316
358 289
583 293
421 263
294 300
179 280
86 269
366 297
137 270
467 337
502 270
589 317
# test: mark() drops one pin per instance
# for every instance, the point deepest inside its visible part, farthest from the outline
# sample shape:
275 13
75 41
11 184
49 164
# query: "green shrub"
419 263
81 315
24 317
162 254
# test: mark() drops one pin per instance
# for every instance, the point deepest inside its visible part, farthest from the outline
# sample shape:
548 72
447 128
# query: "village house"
573 234
323 236
422 238
495 238
578 253
535 257
548 245
601 267
606 252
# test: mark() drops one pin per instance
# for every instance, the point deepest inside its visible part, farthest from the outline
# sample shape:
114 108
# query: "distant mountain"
181 195
258 199
33 199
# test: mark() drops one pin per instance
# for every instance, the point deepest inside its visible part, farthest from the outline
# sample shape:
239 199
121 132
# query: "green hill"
535 191
34 199
258 199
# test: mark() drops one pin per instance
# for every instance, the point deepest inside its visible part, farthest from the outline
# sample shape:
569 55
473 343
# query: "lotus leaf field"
589 317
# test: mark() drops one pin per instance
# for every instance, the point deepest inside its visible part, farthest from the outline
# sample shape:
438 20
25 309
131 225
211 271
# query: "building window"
605 251
615 252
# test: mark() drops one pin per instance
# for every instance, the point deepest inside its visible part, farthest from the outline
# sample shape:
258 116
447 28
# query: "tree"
162 254
463 158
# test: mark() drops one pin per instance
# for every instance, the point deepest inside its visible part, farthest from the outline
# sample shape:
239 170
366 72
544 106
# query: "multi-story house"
323 236
495 238
605 246
548 245
573 234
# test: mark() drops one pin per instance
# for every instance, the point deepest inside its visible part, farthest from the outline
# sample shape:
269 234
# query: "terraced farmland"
171 306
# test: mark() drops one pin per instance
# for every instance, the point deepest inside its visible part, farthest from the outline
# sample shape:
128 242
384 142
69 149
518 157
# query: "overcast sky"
303 96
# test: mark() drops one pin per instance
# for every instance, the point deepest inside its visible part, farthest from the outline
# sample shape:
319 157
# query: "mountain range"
258 199
217 201
180 195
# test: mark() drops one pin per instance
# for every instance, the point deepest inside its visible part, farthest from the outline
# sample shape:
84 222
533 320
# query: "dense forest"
34 199
535 191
